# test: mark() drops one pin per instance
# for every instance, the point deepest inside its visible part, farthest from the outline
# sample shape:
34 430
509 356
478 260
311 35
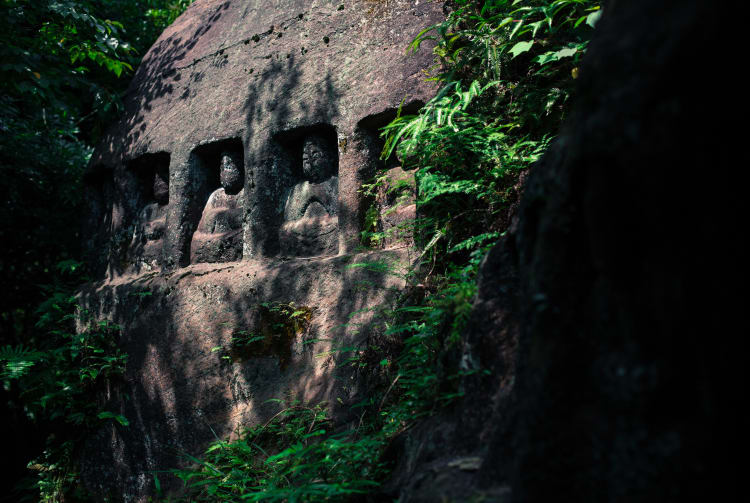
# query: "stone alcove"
219 170
150 199
308 204
99 188
388 211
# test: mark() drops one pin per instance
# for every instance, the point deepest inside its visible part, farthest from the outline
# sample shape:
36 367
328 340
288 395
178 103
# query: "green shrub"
294 457
58 377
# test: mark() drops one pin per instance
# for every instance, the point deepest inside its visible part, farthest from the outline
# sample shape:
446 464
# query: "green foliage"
479 39
294 457
64 361
507 69
388 194
56 478
466 160
427 330
288 317
17 361
279 324
59 376
64 64
162 14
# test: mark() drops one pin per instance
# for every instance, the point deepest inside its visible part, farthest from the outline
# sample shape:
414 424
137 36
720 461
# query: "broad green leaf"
117 417
513 32
551 56
593 18
520 48
535 27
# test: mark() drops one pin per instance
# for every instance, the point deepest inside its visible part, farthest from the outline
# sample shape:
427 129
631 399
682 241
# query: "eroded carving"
391 208
99 200
218 236
311 209
395 202
146 246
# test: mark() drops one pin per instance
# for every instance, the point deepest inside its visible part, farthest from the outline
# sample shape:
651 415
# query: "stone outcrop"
258 79
230 190
607 314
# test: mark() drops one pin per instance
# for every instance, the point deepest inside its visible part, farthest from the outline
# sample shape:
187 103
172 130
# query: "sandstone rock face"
230 188
189 377
622 397
259 79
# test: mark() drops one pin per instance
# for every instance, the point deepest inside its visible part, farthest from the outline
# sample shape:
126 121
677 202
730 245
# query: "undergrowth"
505 69
295 456
57 376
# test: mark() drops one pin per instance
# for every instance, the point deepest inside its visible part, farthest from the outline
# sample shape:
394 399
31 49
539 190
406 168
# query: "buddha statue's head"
230 173
318 159
161 186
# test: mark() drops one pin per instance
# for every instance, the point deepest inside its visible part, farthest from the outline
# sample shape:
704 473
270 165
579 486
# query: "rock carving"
218 237
148 235
275 100
311 209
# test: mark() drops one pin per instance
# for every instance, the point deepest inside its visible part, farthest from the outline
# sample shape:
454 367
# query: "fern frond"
17 361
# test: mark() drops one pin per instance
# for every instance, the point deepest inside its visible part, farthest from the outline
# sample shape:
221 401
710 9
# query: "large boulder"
629 373
286 97
610 314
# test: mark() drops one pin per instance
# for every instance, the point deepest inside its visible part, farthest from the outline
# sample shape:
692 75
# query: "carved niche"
218 234
311 202
151 172
392 207
99 190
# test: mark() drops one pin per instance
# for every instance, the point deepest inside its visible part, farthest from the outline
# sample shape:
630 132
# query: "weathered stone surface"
625 250
265 75
184 382
287 96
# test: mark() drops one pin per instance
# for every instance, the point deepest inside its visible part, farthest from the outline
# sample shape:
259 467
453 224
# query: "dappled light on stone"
233 187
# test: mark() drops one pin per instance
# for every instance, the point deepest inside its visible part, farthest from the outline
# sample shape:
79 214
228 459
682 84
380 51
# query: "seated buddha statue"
310 224
148 236
218 237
